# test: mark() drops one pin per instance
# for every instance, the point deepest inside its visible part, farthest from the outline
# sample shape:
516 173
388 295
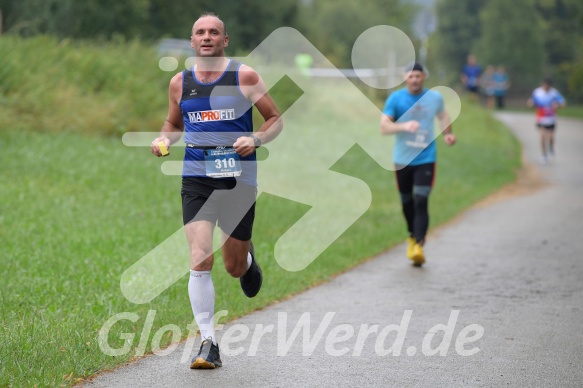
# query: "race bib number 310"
222 162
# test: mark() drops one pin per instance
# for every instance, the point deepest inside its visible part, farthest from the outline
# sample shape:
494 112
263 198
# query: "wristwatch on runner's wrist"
256 140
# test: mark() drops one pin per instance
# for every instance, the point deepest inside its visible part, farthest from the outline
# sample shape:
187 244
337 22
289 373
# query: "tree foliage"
457 31
332 25
78 19
574 74
249 21
533 38
563 26
563 30
518 44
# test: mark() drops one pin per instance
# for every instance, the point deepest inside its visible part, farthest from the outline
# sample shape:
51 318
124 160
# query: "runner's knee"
421 197
421 191
201 260
406 197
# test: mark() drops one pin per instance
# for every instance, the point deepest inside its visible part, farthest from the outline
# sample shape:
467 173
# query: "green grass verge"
574 111
77 210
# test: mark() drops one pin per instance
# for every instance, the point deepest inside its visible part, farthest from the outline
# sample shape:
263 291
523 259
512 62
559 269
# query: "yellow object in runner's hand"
163 148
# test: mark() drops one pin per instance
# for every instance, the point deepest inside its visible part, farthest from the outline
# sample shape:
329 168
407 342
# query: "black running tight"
415 183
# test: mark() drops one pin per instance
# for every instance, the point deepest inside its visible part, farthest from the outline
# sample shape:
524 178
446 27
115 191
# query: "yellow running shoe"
410 244
418 256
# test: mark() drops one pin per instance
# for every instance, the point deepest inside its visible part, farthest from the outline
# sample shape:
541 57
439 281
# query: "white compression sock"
202 299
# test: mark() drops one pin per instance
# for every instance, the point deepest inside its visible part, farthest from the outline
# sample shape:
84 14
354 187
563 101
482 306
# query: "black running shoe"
253 278
208 356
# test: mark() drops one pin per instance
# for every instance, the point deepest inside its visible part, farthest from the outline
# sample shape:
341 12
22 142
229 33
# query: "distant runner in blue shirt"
471 76
546 100
409 114
501 85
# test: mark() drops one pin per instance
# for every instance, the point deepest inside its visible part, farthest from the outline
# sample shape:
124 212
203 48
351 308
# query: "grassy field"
77 209
574 111
81 87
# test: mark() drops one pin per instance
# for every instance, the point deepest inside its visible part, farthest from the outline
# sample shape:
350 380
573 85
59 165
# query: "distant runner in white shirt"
546 100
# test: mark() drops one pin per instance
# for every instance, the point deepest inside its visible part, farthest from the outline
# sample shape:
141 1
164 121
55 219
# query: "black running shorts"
550 127
225 201
419 175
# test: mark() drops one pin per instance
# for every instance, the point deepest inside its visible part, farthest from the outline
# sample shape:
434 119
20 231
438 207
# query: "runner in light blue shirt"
409 114
501 85
418 147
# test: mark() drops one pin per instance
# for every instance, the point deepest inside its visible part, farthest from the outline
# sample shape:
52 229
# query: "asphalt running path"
513 268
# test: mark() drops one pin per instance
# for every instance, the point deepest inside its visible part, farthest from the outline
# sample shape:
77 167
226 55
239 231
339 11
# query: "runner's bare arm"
445 124
173 126
390 127
557 104
254 89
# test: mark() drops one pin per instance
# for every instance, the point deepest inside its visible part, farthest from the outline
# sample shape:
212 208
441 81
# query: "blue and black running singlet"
215 114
